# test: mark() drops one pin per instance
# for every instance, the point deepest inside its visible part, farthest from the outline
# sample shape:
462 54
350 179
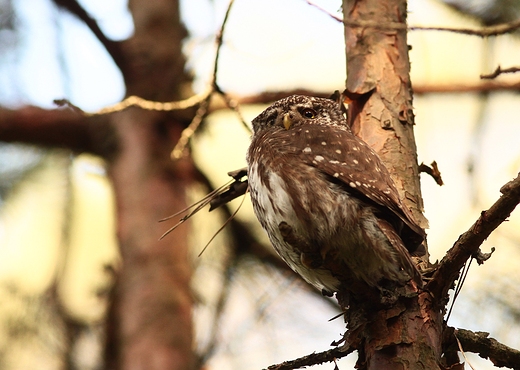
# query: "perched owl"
325 198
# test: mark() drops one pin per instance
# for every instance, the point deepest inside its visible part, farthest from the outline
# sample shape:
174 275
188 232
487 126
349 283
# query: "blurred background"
58 246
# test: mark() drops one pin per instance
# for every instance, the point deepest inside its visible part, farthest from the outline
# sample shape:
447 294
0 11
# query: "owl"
325 199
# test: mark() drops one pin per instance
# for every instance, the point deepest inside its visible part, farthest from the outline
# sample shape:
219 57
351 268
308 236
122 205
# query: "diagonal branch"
489 348
313 359
112 47
468 243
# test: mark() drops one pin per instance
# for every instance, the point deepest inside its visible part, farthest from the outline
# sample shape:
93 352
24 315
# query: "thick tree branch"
113 48
468 243
489 348
61 128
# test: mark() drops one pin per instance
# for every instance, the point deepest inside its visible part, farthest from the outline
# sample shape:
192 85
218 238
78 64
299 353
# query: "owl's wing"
335 151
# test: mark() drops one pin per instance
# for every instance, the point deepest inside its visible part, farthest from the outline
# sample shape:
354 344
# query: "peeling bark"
378 82
405 334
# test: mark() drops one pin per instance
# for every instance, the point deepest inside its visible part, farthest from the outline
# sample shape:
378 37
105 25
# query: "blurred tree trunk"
151 318
406 334
149 325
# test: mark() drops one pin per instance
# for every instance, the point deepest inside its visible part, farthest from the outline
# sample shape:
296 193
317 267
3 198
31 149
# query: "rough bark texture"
378 83
405 334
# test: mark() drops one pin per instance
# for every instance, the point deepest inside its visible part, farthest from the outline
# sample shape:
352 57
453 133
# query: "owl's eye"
309 113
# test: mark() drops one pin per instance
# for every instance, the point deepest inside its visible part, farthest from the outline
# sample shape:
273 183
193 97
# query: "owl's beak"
287 122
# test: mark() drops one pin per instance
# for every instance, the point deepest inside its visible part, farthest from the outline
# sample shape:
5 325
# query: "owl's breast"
275 204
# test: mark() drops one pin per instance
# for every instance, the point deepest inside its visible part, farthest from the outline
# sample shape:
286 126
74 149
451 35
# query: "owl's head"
297 110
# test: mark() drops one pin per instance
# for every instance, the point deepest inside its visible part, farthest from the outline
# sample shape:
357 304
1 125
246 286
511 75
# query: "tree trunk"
406 335
151 318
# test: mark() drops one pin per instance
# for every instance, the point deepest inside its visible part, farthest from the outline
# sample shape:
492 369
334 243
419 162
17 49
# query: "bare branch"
137 101
313 359
179 149
499 29
496 30
489 348
498 72
219 39
433 171
468 243
62 128
457 88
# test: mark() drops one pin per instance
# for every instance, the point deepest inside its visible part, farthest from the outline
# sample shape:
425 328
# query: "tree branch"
56 128
468 243
489 348
499 29
457 88
113 48
498 72
313 359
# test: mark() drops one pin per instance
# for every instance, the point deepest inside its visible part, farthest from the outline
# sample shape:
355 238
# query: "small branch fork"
498 72
433 171
201 100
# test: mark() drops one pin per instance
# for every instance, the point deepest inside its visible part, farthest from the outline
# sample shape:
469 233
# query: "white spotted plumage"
270 219
325 199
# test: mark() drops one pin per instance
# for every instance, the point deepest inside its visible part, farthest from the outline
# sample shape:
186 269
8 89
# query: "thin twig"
230 102
198 206
313 359
458 88
202 112
223 226
499 29
462 351
460 284
496 30
154 105
207 199
219 39
498 72
233 104
179 149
